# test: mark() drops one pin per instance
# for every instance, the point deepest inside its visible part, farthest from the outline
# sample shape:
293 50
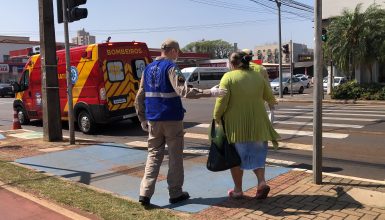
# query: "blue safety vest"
162 102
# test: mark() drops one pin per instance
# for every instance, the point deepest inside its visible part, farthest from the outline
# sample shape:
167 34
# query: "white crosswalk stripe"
329 113
328 118
330 110
280 131
302 123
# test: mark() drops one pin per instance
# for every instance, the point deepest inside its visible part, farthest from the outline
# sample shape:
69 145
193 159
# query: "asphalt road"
353 135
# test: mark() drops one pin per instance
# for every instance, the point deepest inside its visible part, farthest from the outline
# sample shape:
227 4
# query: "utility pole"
280 47
318 92
291 66
68 75
52 129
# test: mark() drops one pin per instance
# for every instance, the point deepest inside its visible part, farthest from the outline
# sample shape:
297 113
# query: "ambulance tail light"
102 95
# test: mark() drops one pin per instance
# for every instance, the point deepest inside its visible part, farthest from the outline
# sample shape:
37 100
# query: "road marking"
329 113
310 133
44 203
51 149
344 176
196 136
137 144
296 146
323 124
202 126
280 131
327 110
378 107
282 162
327 118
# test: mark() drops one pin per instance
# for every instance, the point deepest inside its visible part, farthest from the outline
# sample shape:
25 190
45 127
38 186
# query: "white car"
305 81
338 80
297 85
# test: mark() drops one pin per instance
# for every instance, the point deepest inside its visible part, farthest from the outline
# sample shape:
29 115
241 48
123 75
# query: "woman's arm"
222 102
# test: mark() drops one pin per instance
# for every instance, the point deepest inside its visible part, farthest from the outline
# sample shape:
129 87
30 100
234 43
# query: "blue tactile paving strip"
107 166
2 136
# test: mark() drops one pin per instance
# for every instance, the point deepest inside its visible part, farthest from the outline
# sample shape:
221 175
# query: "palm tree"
356 38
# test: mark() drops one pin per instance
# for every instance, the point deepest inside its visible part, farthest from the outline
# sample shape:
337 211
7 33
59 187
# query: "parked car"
297 85
338 80
6 90
305 81
300 75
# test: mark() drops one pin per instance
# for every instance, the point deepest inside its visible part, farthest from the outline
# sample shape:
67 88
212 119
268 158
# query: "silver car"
297 85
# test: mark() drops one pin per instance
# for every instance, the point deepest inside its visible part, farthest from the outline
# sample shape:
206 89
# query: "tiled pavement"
294 196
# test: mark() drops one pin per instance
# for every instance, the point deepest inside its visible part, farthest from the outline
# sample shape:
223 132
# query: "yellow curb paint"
65 212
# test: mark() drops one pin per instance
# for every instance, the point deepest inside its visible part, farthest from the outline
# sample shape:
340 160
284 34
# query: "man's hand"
217 92
144 125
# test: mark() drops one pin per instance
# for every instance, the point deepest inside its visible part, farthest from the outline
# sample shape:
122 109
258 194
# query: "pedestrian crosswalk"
297 122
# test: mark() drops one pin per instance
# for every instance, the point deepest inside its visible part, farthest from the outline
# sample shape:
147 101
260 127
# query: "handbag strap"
223 125
212 132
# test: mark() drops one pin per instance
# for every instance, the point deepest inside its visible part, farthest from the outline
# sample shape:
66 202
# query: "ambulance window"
139 66
24 80
115 71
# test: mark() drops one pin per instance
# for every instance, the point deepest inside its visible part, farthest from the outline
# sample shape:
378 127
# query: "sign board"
4 68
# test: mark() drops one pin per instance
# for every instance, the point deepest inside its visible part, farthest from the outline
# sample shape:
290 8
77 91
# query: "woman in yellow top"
246 121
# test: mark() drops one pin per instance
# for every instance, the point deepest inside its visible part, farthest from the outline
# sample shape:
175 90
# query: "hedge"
354 90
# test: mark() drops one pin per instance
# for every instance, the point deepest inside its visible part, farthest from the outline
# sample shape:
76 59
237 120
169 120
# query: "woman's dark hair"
240 60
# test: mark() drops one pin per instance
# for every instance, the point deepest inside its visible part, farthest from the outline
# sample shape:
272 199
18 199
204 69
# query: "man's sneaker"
180 198
144 200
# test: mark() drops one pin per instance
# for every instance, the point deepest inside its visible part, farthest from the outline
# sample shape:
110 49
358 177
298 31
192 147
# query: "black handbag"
221 157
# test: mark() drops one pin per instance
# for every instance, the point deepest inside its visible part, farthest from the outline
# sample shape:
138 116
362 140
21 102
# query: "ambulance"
105 80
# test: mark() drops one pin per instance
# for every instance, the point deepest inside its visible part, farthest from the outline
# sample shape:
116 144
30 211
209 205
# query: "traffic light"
285 48
324 36
73 12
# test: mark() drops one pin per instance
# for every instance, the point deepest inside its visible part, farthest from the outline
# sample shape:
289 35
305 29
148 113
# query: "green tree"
357 38
218 49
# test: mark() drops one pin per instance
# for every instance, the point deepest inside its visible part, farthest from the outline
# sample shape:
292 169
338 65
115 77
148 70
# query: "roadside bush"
353 90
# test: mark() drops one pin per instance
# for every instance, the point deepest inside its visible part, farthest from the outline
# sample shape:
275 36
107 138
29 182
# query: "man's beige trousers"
160 134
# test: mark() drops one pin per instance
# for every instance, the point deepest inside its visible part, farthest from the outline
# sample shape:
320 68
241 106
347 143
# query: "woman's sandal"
234 195
262 193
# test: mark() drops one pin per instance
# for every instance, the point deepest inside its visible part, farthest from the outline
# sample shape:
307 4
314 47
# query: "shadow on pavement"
285 205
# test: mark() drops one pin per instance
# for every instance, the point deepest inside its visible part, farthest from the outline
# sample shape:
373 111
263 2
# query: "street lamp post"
280 47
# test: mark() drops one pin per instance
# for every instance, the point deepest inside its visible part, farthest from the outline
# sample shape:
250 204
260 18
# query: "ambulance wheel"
23 118
86 123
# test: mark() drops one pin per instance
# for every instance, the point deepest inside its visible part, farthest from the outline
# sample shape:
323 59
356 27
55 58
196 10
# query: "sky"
245 22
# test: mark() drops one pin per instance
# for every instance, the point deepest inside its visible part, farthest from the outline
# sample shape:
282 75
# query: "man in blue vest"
160 111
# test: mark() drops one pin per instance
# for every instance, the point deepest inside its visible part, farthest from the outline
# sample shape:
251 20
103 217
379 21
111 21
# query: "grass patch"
76 195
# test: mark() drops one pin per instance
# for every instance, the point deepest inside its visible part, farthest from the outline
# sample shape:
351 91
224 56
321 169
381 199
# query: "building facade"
12 67
269 53
83 38
332 9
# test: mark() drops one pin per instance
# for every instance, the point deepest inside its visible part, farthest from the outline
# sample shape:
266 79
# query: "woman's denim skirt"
252 154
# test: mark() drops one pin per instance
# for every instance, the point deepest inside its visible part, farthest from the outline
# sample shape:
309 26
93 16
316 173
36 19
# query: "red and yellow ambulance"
105 79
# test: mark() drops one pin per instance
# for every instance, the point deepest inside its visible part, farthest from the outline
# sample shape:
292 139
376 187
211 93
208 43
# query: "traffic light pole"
68 75
52 130
280 48
318 92
291 67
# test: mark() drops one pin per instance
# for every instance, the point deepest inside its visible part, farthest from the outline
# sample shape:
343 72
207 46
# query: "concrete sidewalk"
119 168
294 196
